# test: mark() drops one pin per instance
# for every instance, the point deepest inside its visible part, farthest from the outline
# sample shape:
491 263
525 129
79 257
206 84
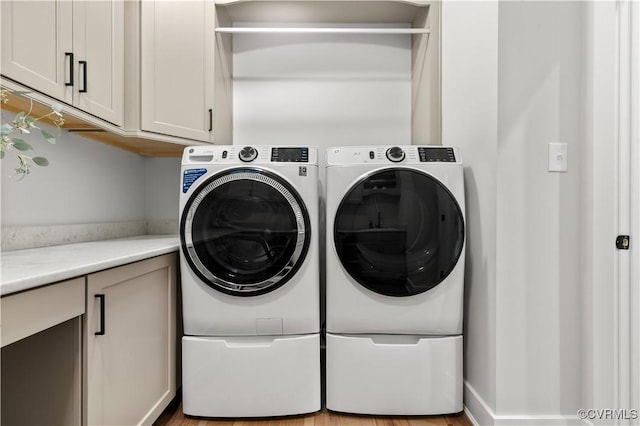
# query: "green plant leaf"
40 161
30 122
6 129
1 155
21 145
48 136
19 116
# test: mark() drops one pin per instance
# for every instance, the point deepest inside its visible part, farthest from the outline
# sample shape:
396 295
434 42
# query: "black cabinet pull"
210 119
100 332
70 56
83 64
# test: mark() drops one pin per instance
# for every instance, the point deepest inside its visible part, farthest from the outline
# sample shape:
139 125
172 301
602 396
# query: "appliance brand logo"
302 171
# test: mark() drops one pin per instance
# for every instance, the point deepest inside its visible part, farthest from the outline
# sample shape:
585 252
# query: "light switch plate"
558 157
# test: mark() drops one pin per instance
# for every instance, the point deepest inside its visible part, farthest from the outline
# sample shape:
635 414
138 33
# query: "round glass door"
399 232
245 232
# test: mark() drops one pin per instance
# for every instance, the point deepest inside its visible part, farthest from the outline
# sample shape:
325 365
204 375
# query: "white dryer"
395 279
250 282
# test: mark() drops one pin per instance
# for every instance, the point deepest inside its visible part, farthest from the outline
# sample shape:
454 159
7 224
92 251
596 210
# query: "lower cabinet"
130 333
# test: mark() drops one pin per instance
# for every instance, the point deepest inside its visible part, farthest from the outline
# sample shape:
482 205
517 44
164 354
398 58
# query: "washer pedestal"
394 374
255 376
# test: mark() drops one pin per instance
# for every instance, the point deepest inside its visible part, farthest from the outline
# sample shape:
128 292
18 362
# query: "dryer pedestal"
254 376
394 374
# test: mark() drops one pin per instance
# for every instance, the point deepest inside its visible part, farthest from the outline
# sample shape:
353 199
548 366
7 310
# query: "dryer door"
245 231
399 232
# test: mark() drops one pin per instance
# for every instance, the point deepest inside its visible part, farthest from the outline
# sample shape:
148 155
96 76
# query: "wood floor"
173 416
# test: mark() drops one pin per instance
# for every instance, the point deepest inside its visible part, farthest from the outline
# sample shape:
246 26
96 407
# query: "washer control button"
248 153
395 154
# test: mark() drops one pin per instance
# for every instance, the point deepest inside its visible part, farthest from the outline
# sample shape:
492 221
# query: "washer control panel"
250 154
290 155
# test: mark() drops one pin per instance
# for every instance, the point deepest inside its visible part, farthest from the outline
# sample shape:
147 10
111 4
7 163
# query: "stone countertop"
26 269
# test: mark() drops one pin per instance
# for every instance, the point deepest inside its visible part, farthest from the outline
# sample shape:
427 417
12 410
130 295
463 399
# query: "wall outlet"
558 157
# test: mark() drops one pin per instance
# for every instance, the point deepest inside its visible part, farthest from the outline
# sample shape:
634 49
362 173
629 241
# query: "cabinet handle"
83 64
100 332
210 119
70 56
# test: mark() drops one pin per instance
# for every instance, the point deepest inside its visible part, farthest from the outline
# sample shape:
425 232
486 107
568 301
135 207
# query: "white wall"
85 182
538 345
512 83
162 189
321 90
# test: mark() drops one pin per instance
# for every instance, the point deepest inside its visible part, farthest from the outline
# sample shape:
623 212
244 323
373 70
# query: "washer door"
245 231
399 232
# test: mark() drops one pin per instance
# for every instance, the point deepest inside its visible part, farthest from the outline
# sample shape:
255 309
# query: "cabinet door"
36 45
98 45
177 59
71 51
130 337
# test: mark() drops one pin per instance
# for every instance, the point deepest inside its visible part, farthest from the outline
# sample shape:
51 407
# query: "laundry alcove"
327 73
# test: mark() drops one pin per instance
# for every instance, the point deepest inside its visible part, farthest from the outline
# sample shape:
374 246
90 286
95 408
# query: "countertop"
26 269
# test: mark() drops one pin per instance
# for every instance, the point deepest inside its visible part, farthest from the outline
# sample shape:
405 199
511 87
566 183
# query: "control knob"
395 154
247 154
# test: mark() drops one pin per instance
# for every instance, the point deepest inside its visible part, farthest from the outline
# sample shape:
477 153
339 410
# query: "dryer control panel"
393 154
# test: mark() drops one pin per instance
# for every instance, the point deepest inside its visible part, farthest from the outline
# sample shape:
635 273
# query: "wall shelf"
320 12
320 30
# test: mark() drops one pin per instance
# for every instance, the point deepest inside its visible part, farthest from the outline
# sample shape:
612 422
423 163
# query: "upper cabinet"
71 51
177 68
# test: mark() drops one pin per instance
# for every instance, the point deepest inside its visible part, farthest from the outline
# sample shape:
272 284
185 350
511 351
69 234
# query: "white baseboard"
476 408
481 414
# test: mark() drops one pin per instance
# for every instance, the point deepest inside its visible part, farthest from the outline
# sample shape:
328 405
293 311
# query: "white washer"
395 279
250 281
